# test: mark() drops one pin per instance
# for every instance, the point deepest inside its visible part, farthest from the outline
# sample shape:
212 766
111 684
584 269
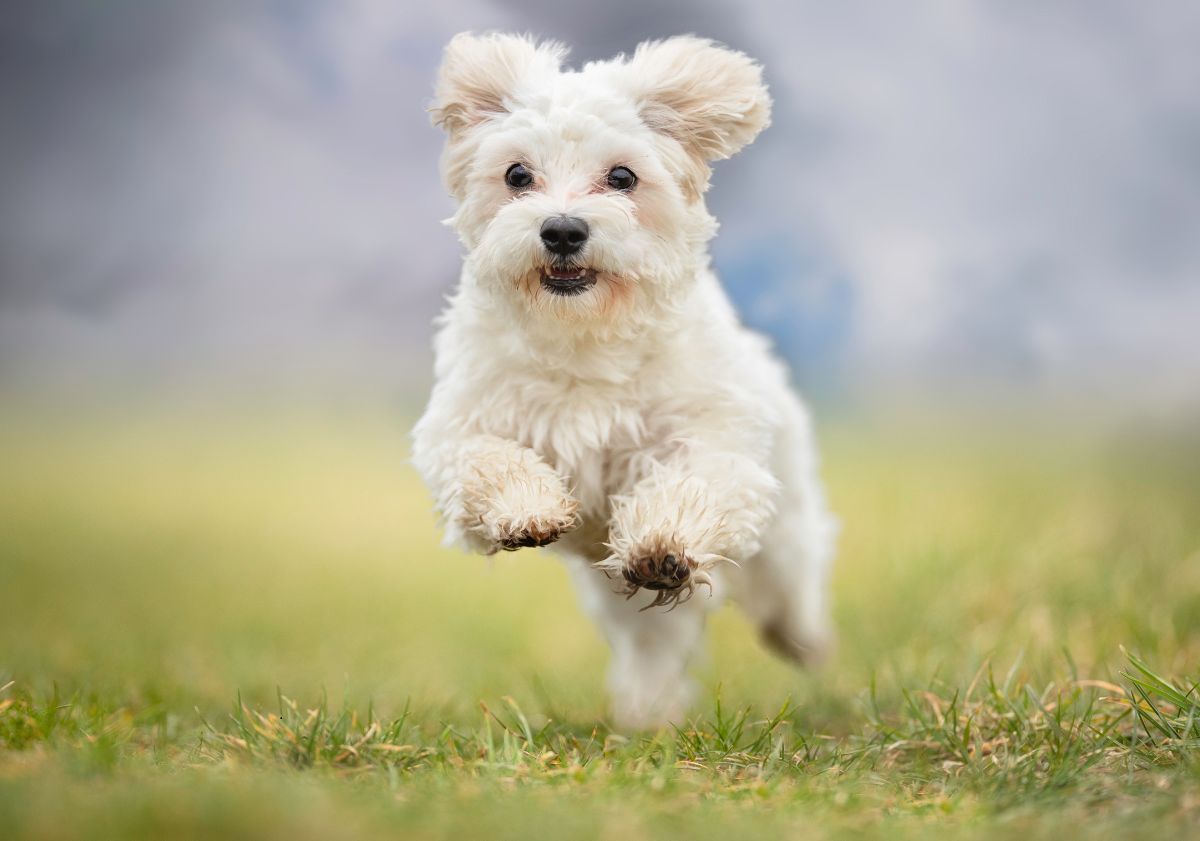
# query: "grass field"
239 624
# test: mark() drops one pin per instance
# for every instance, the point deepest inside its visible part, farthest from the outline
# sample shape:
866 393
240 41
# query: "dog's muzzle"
564 237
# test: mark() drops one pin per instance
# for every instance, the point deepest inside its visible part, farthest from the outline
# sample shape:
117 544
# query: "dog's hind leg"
651 649
784 587
784 592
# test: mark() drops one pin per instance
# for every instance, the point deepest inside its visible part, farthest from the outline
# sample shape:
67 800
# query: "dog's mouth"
567 280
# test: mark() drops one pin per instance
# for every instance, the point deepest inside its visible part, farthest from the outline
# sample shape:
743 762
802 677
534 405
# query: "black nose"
564 235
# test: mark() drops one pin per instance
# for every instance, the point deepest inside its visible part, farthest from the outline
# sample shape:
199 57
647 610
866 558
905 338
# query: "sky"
954 197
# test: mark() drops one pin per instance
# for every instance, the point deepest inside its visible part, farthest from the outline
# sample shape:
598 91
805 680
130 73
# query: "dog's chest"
586 431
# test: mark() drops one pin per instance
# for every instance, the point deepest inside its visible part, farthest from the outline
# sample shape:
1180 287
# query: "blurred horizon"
957 203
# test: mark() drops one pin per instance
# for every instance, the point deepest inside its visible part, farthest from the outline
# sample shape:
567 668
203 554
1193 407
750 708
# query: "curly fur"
638 423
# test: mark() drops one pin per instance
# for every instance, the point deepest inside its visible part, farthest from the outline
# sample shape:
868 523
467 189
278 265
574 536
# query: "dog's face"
581 193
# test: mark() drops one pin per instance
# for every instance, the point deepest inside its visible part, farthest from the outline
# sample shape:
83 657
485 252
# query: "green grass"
240 624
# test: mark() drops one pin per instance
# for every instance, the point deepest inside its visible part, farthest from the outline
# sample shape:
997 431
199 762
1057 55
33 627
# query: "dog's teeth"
565 274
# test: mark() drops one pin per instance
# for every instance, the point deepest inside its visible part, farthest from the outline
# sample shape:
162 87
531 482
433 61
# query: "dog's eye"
621 178
518 177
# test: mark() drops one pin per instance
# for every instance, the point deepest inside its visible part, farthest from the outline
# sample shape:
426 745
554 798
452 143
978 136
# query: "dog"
594 388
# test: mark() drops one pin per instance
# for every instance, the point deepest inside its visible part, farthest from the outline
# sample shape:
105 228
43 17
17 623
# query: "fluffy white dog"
594 387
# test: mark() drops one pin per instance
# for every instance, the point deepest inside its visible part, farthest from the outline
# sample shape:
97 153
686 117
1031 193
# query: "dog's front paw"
511 499
513 534
668 570
508 526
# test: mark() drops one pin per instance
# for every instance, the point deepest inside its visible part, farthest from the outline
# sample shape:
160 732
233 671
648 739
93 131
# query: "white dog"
594 387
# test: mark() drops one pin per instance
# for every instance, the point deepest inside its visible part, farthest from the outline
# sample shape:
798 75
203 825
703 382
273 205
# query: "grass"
240 624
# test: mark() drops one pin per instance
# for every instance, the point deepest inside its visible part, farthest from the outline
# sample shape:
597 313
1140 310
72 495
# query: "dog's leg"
797 627
784 588
651 649
683 517
496 494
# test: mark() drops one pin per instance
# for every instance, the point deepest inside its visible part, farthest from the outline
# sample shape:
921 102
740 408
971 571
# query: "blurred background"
973 230
970 203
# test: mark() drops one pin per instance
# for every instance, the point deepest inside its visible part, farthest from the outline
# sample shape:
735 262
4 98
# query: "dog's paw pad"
530 536
672 574
533 532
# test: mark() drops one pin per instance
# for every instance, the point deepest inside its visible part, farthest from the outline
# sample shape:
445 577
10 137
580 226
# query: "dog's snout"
564 235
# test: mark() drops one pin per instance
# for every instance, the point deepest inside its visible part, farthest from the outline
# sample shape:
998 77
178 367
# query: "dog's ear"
709 98
480 72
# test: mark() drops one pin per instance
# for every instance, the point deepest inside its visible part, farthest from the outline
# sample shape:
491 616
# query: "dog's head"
581 192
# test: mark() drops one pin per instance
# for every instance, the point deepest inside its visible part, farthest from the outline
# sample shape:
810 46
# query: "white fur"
639 418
